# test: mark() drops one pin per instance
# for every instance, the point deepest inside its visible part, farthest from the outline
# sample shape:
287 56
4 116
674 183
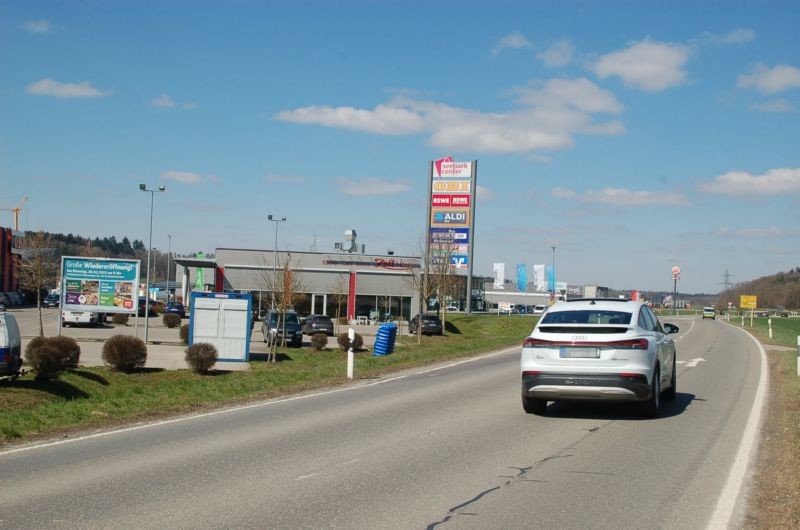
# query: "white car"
598 349
88 318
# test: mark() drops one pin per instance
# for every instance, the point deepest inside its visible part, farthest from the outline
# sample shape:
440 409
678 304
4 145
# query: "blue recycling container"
384 341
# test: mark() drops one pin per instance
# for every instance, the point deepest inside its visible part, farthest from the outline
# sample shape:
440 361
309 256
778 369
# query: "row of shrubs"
171 320
49 356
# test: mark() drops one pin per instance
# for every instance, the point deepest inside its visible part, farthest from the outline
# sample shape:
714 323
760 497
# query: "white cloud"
384 119
166 102
295 179
548 125
771 80
774 182
776 105
37 27
622 197
184 177
372 186
736 36
580 94
647 65
49 87
484 194
562 193
514 40
559 54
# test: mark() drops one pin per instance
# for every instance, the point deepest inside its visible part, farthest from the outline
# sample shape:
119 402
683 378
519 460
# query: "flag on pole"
499 275
522 278
539 280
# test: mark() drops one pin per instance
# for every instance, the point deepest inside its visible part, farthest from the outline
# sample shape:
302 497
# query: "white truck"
86 318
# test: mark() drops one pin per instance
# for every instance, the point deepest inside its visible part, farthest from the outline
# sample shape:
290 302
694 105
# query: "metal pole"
147 284
274 263
427 257
473 192
675 294
554 274
169 255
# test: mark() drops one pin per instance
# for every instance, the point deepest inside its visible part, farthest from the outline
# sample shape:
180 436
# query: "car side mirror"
671 328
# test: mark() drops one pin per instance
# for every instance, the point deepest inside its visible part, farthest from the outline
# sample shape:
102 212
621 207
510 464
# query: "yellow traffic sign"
747 301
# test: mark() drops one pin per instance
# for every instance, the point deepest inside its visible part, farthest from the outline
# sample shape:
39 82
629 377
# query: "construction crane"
16 212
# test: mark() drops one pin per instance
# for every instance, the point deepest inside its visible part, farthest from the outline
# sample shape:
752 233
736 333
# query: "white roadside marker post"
351 336
769 321
798 356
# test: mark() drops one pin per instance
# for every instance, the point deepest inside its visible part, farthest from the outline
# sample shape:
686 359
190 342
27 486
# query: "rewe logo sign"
450 217
458 201
447 168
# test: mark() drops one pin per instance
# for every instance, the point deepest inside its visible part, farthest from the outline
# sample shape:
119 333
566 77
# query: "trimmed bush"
319 341
120 319
69 349
201 357
344 342
184 333
124 353
171 320
45 358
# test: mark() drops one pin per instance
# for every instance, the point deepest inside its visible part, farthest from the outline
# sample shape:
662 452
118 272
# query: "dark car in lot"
273 328
176 308
318 324
154 306
431 325
51 300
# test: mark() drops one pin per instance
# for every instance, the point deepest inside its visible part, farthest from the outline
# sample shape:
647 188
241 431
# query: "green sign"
99 284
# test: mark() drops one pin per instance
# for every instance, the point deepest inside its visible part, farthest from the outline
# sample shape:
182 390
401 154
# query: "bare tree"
420 284
443 275
340 295
286 287
39 267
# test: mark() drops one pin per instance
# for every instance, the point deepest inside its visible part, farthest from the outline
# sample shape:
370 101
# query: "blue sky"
633 136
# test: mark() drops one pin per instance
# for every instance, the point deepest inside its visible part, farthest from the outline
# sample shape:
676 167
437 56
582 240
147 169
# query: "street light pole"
275 254
160 189
169 255
554 273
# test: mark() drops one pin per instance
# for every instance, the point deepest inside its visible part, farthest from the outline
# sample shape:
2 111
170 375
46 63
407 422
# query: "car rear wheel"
534 405
652 407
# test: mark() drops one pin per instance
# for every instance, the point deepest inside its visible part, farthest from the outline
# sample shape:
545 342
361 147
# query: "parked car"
614 350
451 307
5 300
431 325
539 309
318 324
290 324
51 300
175 308
10 345
154 306
85 318
709 312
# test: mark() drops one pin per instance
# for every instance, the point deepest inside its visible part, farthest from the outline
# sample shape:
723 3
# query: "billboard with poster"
104 285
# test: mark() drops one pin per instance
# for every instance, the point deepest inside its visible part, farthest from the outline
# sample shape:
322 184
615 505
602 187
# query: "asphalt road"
443 447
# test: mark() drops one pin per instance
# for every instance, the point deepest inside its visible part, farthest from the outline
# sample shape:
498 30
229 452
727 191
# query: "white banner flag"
539 280
499 275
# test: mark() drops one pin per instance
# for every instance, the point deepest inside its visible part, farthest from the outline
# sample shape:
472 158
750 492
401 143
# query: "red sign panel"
449 200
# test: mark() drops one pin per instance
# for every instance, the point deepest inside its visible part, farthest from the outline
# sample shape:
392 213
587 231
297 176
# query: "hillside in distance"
778 291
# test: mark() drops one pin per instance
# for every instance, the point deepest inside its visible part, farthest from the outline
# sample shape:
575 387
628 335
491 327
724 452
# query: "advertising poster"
99 284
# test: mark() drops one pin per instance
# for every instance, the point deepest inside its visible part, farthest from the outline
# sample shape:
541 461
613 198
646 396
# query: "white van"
86 318
10 345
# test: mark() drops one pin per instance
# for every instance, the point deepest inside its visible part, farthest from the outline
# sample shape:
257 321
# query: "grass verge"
775 500
97 397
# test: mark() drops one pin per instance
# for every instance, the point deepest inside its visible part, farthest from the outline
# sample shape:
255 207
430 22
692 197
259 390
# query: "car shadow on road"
618 411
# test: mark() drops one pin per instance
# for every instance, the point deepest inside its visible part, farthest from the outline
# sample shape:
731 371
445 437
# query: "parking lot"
164 348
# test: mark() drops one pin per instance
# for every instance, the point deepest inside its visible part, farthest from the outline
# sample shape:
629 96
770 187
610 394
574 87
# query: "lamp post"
160 189
275 254
554 273
169 255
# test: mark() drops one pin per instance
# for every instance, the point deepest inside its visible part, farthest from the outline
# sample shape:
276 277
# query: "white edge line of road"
726 503
243 407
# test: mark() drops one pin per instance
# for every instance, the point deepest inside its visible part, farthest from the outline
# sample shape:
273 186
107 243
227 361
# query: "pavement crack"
456 510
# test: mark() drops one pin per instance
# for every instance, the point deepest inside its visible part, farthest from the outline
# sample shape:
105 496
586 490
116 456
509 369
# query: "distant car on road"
51 300
709 312
431 325
598 349
176 308
318 324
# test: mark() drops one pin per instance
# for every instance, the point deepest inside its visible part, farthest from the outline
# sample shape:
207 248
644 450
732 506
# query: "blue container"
385 340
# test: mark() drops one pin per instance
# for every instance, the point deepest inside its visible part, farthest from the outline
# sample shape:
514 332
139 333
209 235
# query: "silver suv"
598 349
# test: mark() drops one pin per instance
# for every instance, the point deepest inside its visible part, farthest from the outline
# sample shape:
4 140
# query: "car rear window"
587 316
322 319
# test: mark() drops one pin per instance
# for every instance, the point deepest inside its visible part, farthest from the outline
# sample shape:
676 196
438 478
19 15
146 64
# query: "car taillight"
530 372
627 344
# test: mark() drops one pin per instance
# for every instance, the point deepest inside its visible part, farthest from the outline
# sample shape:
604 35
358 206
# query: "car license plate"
579 353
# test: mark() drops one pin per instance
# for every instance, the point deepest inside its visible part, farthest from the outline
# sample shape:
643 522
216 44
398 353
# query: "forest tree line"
778 291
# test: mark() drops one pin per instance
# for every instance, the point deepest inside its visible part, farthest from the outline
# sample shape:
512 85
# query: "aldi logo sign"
450 217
